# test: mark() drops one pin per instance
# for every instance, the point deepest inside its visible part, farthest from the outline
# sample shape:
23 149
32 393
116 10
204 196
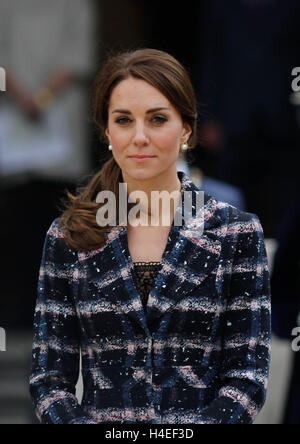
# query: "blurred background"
240 55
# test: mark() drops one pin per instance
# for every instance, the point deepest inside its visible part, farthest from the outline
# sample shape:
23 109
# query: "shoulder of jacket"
233 218
56 239
244 218
56 230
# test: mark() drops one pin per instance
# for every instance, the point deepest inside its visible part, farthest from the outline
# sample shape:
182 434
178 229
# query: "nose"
140 137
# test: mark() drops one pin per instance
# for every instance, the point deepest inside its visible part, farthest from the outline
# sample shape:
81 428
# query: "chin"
141 174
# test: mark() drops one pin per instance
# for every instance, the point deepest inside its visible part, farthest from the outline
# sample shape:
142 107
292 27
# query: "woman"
196 348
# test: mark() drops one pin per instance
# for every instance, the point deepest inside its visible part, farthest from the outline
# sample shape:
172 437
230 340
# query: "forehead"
136 93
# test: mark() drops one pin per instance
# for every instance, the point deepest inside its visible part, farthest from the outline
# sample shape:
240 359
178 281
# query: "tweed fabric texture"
200 354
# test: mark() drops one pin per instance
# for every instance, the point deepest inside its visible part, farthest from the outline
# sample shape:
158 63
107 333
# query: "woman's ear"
107 135
187 131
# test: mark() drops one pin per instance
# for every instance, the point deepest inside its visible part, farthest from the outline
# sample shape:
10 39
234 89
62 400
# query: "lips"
141 157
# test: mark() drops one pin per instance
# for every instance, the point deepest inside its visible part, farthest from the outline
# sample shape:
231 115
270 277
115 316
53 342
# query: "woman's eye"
122 120
159 119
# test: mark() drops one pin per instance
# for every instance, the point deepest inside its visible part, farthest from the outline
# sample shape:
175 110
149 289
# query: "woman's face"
141 121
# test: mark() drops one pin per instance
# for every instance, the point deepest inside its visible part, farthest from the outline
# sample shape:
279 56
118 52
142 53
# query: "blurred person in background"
244 77
206 155
285 284
48 52
221 190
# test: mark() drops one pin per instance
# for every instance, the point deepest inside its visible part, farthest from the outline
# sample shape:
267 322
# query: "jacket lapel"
192 252
195 249
109 269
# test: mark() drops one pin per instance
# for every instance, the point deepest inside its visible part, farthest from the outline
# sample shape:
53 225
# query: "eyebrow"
152 110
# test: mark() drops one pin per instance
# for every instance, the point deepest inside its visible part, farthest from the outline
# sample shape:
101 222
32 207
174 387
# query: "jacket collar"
192 253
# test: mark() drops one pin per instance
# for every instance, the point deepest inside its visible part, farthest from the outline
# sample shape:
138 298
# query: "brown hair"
166 74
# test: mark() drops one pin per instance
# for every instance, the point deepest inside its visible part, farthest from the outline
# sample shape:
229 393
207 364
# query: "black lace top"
145 274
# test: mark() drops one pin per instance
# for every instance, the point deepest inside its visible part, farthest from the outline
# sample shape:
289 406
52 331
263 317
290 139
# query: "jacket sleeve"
246 328
56 338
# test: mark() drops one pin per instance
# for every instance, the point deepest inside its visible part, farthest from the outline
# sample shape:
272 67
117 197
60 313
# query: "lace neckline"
146 263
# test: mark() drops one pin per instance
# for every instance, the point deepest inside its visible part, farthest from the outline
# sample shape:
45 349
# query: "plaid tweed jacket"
201 352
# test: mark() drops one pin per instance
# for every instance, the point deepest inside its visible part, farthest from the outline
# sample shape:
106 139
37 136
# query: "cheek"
119 139
168 140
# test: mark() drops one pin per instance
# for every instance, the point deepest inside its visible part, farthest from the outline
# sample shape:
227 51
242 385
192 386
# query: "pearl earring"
184 146
110 147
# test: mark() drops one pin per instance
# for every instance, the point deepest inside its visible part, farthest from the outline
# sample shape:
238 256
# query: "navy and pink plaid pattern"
201 352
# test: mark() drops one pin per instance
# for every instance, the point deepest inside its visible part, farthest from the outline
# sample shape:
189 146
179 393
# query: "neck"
165 182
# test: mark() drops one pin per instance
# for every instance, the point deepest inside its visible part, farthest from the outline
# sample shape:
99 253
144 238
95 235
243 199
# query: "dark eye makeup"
122 120
158 120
